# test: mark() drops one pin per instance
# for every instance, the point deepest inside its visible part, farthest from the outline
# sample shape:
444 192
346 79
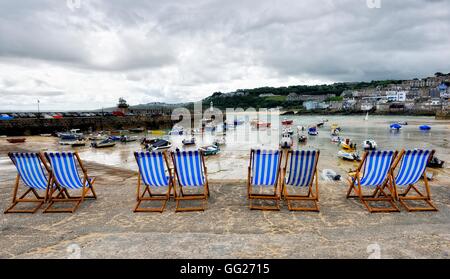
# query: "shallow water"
232 162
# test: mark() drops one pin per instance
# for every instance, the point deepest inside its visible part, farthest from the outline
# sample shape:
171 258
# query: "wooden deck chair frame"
180 196
275 196
141 197
23 198
313 189
403 197
379 193
63 195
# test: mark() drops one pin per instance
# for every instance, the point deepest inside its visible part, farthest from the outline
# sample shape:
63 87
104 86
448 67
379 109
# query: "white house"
396 96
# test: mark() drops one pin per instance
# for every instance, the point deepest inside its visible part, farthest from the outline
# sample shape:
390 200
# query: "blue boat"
396 126
312 131
425 128
6 117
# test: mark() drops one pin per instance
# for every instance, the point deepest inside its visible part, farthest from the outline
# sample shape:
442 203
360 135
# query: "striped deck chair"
34 177
376 176
264 171
66 177
413 167
190 173
155 172
301 174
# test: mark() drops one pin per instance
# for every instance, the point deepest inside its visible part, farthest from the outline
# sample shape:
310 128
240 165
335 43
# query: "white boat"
286 141
330 175
126 139
336 139
190 141
176 130
103 144
349 156
369 145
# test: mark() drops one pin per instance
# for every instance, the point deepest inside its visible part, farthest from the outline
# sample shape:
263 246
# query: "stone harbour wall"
34 126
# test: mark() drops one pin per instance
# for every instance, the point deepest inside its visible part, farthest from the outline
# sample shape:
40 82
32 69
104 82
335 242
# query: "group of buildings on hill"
417 96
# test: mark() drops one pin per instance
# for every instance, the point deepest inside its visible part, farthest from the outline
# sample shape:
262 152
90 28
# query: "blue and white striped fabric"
151 167
189 168
413 165
301 168
65 170
30 170
265 167
377 168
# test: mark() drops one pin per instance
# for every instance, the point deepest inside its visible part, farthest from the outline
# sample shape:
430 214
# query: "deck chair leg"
22 199
152 197
419 196
191 197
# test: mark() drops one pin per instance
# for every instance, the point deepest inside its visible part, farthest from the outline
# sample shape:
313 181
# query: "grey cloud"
174 50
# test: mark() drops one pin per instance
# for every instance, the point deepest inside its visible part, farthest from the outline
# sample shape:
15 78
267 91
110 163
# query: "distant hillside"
276 96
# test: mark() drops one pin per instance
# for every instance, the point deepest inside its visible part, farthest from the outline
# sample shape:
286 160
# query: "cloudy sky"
85 54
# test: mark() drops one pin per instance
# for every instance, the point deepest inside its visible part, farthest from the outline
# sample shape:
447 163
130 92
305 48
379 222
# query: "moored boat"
369 145
349 156
103 144
16 140
287 121
158 144
395 126
286 141
210 150
425 128
78 143
312 131
188 142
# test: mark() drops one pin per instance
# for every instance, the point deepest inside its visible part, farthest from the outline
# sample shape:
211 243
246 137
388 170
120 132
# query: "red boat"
287 121
16 140
263 125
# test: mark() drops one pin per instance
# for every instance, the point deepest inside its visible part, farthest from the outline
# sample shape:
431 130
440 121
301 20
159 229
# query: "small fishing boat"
347 145
435 163
336 139
126 139
103 144
263 124
425 128
158 144
349 156
369 145
286 141
210 150
78 143
312 131
16 140
395 126
302 138
287 121
73 134
403 123
187 142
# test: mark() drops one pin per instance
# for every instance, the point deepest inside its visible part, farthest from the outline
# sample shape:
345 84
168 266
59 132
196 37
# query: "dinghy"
103 144
349 156
369 145
187 142
425 128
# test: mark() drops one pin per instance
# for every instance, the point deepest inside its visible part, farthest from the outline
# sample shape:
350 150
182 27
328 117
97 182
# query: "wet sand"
107 227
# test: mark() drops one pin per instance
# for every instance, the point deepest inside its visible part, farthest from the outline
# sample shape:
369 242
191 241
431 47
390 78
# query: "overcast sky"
85 54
